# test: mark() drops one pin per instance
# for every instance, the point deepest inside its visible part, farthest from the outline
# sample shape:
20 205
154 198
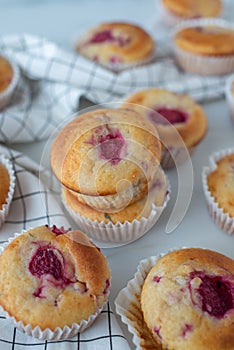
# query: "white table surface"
60 21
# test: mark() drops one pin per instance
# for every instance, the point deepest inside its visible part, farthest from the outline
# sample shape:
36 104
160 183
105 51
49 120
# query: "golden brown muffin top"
6 73
97 150
206 40
4 185
194 8
221 184
116 42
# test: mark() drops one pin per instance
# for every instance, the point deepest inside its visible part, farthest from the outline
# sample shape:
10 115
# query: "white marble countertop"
60 21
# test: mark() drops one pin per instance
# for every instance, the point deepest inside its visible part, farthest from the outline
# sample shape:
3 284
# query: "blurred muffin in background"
181 123
117 45
205 46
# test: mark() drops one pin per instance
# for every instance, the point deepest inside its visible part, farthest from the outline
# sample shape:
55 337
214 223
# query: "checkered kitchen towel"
33 205
54 79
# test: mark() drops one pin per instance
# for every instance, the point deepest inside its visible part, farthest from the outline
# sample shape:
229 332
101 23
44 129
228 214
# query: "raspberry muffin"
59 275
205 46
175 11
188 300
218 185
181 123
116 45
9 76
125 225
109 157
7 185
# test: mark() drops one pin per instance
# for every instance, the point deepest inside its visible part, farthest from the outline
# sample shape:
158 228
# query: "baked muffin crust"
116 43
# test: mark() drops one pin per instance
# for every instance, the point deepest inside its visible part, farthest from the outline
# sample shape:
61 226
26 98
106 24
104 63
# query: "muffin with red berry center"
188 300
116 44
180 121
59 275
108 158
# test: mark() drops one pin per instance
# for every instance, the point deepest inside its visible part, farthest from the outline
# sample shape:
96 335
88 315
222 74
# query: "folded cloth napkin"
33 205
54 79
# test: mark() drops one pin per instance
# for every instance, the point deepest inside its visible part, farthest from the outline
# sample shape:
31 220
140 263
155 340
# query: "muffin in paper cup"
169 300
45 289
203 63
229 93
221 213
10 74
123 226
7 186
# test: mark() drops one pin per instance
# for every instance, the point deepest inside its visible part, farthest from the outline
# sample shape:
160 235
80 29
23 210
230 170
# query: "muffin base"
121 233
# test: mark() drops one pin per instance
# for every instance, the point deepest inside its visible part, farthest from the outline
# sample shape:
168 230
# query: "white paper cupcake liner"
120 232
5 96
128 305
48 334
223 220
201 64
229 93
6 206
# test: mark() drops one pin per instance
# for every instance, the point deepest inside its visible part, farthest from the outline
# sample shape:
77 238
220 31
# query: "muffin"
9 76
229 93
125 225
187 300
110 157
116 45
60 276
7 185
175 11
181 123
205 46
218 185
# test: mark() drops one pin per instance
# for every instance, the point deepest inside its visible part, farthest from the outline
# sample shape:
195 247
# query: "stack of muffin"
107 161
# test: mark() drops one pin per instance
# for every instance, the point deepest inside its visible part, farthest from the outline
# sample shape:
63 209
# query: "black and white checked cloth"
54 79
33 205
